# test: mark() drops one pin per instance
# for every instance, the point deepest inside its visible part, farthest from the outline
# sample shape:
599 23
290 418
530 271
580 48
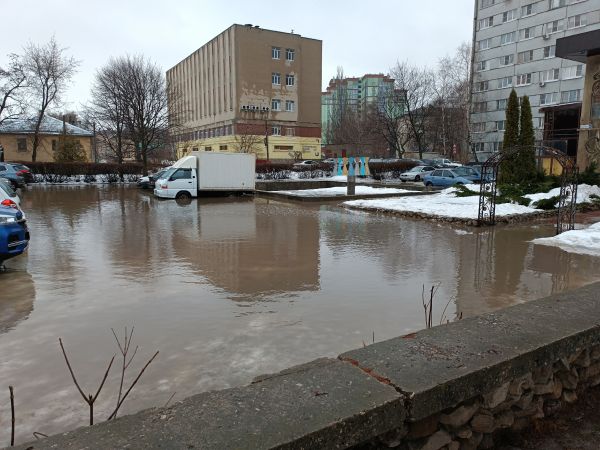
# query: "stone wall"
454 386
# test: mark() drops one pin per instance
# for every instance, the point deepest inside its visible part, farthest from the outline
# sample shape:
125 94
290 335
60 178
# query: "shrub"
59 172
589 175
392 169
547 204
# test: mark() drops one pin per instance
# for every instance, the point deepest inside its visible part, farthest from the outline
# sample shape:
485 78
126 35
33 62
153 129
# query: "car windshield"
416 169
20 167
6 187
168 173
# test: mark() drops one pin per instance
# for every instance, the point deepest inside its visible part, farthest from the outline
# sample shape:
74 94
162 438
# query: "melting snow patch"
585 241
341 191
584 191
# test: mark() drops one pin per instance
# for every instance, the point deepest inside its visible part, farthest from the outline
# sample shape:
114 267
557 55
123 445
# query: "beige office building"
250 90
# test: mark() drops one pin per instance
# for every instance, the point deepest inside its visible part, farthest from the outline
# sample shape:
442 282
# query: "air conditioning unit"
254 108
244 108
545 36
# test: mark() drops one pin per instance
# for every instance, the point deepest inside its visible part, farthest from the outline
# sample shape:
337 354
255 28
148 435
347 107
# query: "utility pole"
267 134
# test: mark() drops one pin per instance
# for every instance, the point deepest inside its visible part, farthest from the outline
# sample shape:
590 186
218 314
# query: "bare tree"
417 85
390 121
248 138
12 84
48 70
146 95
107 111
451 105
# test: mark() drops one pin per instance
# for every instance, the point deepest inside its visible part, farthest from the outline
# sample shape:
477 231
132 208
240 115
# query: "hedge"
60 172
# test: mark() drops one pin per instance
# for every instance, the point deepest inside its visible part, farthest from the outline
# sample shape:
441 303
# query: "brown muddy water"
231 288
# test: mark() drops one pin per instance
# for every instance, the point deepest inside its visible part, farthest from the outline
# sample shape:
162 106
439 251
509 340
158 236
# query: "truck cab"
177 182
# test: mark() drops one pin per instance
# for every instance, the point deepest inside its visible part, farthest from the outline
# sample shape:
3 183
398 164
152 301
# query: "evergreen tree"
69 150
511 139
526 161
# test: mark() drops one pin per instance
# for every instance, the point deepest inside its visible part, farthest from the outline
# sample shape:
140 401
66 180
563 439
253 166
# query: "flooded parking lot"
230 288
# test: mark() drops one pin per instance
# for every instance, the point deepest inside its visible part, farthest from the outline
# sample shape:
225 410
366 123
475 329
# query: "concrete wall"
450 387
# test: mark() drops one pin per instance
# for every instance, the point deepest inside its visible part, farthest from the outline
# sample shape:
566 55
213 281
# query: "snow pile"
585 241
584 191
445 204
341 191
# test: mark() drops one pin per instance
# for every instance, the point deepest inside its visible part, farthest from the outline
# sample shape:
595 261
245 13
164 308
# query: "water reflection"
230 288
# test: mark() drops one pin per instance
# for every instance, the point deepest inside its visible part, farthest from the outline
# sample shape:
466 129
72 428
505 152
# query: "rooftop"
49 125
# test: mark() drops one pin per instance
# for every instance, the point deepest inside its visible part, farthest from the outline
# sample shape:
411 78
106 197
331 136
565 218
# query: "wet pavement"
231 288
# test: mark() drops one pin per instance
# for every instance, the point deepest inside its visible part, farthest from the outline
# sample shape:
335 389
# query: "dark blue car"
14 236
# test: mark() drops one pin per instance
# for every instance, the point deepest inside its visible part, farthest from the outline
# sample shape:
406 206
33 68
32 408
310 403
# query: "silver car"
416 173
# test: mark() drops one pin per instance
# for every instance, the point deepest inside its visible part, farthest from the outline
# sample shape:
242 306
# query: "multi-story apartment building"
250 90
357 94
514 47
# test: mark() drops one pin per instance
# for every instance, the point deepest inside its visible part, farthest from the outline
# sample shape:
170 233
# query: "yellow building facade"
16 138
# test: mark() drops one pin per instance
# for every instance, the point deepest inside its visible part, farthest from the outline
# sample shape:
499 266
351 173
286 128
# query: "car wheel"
404 181
417 178
183 195
429 183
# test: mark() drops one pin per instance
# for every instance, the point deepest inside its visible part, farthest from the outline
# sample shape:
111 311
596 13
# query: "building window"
276 104
527 33
555 26
508 38
478 127
486 3
505 82
480 107
525 57
509 15
507 60
497 146
482 86
523 79
549 75
478 146
289 54
557 3
284 148
276 78
501 104
486 23
484 44
290 106
290 80
548 99
527 10
275 52
22 144
500 125
538 123
573 72
482 65
208 149
276 131
222 147
53 145
571 96
579 20
550 51
289 132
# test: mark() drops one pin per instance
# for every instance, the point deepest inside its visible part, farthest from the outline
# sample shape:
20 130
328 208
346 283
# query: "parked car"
416 173
330 161
14 236
470 173
446 162
148 182
431 162
8 192
11 173
24 171
307 163
444 178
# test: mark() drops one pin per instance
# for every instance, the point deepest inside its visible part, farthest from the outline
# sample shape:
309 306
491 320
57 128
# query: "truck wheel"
183 195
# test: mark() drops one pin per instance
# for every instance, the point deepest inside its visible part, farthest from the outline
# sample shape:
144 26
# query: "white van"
206 171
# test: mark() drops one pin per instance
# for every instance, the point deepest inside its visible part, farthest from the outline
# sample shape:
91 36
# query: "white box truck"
208 172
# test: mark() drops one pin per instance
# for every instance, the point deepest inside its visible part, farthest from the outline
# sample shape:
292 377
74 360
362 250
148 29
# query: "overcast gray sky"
361 36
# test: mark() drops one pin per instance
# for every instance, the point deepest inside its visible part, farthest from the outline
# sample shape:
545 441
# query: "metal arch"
565 217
